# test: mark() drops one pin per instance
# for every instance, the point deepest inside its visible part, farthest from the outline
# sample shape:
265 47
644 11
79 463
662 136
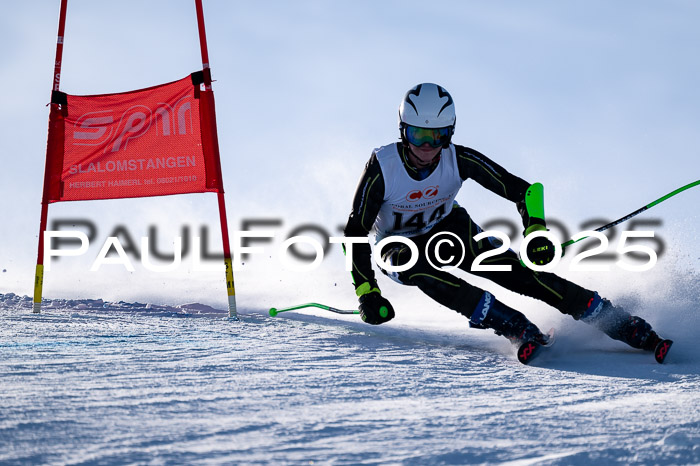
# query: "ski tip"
273 312
527 351
661 350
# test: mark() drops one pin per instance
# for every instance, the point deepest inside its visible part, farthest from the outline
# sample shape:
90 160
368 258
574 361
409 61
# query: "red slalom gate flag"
151 142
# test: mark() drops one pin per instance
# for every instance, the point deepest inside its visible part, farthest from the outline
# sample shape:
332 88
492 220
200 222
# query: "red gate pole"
56 81
230 288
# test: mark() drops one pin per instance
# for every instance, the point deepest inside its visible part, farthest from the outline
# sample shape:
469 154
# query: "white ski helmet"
427 105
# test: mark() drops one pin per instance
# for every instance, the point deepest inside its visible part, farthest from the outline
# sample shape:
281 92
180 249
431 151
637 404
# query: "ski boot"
512 324
620 325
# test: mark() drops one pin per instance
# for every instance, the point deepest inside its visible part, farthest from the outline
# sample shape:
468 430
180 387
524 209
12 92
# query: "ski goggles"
435 137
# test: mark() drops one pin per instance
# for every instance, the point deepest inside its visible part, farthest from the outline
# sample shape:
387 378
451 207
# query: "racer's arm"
475 165
369 197
528 198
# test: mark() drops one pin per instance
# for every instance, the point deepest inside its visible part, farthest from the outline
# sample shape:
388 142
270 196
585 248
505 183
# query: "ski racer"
408 189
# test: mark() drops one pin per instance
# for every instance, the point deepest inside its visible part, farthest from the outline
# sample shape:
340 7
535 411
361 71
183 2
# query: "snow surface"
89 381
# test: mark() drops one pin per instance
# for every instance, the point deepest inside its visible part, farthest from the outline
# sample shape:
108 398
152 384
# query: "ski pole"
275 311
636 212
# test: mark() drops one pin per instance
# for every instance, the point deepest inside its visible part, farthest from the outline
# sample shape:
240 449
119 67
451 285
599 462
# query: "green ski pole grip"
534 201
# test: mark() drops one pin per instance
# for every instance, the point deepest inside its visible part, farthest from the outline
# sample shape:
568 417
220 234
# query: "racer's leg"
481 307
564 295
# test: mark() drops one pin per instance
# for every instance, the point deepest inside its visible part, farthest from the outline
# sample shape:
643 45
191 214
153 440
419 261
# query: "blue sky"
598 100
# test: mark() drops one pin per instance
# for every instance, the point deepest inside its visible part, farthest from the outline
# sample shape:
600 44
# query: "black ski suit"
445 288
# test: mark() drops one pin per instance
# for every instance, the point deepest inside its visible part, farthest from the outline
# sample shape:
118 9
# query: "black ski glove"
540 251
375 309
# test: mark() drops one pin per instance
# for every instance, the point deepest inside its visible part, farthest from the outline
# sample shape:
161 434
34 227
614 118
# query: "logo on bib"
428 193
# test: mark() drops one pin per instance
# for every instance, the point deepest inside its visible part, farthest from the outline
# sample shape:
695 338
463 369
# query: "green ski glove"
374 308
